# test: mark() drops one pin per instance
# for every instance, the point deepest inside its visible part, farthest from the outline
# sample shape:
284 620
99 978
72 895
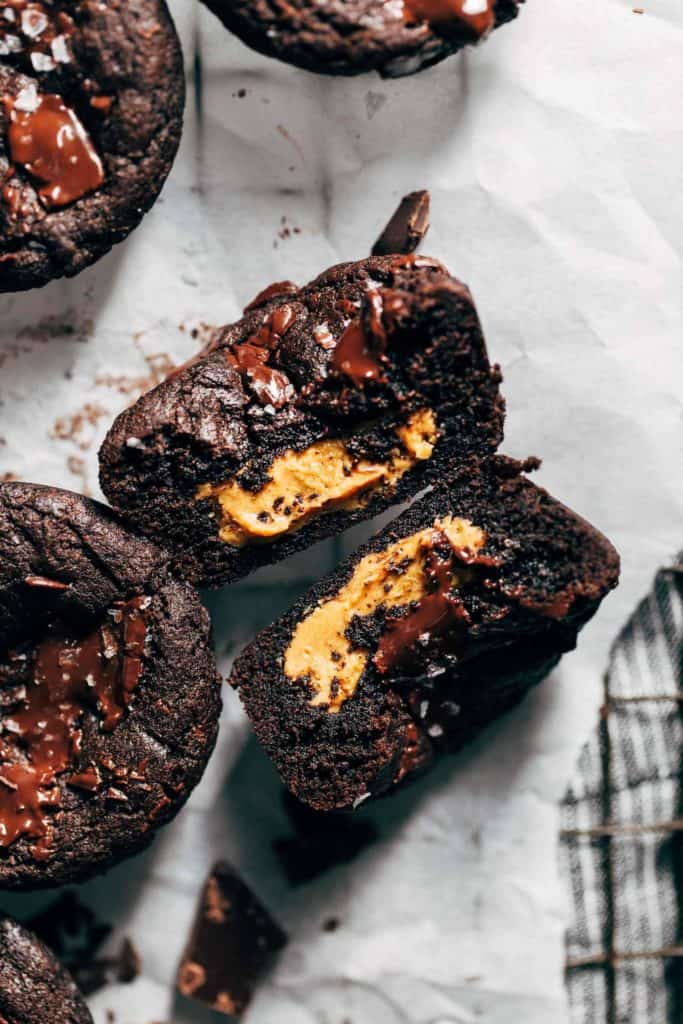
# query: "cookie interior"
442 622
320 408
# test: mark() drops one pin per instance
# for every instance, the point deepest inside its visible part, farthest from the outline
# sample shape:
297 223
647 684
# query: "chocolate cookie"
320 408
34 987
109 697
347 37
91 104
438 625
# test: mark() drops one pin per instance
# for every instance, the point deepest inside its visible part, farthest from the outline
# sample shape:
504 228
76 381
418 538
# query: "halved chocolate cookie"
109 697
320 408
91 104
347 37
438 625
34 987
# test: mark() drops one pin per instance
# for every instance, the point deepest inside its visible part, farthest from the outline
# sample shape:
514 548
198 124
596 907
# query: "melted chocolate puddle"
40 738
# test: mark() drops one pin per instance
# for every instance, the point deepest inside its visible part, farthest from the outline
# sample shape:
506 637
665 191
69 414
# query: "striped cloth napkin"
622 828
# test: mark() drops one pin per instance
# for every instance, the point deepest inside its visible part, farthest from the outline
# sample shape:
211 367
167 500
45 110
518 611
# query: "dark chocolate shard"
233 941
407 228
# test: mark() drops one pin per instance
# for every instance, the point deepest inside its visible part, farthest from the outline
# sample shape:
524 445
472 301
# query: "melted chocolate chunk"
233 940
437 611
360 348
271 387
478 15
46 694
407 228
45 135
47 138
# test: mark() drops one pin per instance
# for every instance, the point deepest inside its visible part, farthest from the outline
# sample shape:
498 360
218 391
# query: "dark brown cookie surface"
109 697
438 625
321 407
91 102
347 37
34 987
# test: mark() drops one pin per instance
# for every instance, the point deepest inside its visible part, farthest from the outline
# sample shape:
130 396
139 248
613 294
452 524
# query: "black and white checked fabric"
622 828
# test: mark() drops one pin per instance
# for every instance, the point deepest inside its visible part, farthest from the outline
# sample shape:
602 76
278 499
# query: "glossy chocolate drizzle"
478 15
45 697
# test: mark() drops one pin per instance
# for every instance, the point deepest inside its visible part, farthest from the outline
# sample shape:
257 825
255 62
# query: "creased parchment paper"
553 154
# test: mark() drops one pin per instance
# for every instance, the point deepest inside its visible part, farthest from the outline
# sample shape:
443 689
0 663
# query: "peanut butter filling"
322 478
320 652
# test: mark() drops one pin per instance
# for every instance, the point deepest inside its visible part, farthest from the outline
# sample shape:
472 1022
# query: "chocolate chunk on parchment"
233 940
407 227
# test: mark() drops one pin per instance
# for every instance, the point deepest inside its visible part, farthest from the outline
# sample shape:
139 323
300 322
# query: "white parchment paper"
553 154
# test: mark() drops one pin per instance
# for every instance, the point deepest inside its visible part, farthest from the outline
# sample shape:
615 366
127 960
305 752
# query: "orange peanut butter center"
320 651
322 478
